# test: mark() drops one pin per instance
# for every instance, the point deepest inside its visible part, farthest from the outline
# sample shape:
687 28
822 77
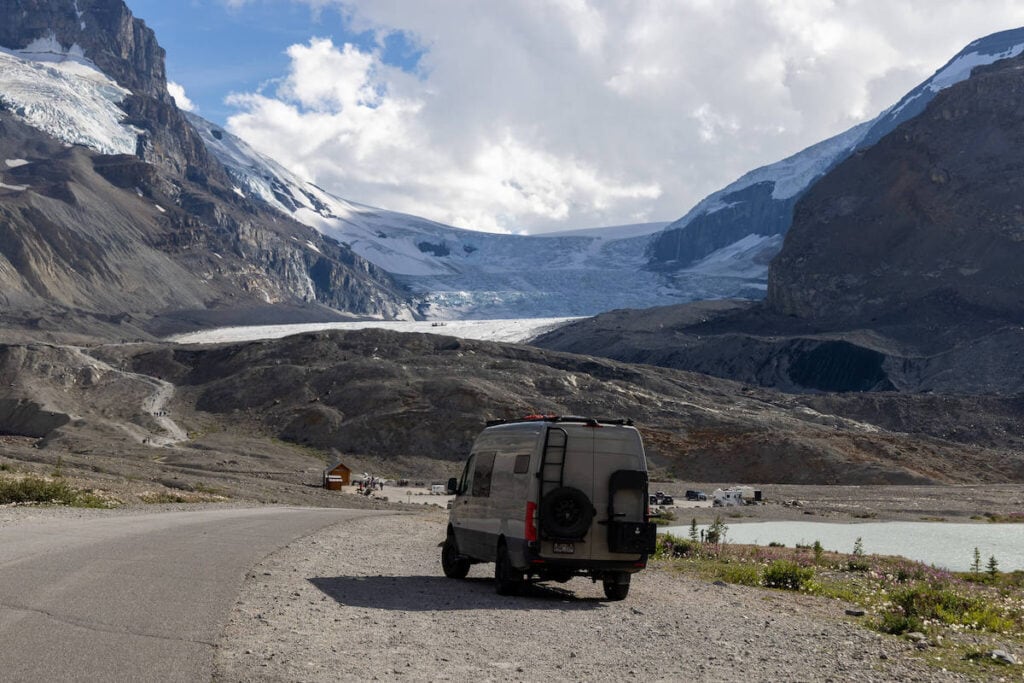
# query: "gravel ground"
366 600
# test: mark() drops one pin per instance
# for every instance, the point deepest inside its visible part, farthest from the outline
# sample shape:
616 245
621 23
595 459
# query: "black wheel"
507 579
454 565
616 587
566 513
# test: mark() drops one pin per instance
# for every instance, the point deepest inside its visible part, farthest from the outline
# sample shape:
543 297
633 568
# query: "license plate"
565 548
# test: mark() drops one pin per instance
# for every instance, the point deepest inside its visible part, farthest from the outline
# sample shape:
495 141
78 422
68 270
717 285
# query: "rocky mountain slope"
901 271
114 213
926 225
413 402
759 206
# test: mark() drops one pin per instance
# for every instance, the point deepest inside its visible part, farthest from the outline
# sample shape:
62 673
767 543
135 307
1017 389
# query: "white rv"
727 498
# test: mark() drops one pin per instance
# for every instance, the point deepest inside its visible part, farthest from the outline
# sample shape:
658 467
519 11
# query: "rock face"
89 240
762 201
901 272
926 225
127 51
750 210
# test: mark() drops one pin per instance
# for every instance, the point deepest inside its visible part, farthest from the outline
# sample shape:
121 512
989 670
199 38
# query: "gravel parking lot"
366 600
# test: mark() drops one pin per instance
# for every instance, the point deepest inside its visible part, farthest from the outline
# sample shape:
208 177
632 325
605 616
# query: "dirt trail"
155 405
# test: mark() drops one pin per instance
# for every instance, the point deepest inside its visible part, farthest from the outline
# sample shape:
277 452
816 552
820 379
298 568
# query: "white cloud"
545 114
178 93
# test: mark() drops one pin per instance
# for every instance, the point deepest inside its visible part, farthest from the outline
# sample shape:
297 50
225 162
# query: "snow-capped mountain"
901 271
92 78
761 202
465 274
114 217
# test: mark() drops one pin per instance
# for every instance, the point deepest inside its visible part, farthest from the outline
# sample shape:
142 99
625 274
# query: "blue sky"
213 48
541 115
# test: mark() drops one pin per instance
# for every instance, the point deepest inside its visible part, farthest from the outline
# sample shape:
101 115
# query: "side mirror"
453 485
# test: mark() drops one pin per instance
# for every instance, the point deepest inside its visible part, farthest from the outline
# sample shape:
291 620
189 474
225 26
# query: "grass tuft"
46 492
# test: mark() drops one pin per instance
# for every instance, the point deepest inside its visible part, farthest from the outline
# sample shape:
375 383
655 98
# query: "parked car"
662 498
549 498
696 495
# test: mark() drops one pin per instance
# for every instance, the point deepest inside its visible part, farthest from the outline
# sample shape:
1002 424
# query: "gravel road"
367 601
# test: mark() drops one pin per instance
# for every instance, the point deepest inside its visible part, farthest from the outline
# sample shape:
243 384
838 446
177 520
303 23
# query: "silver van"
547 498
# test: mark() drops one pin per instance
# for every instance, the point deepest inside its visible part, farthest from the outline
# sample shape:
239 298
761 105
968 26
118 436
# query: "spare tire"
566 513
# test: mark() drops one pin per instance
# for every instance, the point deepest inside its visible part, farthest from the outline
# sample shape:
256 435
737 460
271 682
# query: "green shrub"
161 498
663 516
36 490
674 546
897 623
787 575
913 605
741 574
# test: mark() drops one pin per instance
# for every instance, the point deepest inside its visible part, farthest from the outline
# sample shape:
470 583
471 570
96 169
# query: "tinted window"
522 465
482 474
467 476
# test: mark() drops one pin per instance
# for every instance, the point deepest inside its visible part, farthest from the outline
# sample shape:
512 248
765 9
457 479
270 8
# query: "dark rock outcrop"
749 205
927 225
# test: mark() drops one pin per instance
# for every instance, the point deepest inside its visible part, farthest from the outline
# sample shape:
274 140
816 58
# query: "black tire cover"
566 512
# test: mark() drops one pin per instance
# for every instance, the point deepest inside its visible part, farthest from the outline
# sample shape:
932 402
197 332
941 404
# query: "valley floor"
367 600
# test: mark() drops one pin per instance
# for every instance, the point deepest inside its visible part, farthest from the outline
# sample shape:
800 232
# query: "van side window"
466 482
522 465
482 474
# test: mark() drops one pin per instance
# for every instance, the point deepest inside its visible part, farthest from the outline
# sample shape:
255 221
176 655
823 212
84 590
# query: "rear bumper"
535 560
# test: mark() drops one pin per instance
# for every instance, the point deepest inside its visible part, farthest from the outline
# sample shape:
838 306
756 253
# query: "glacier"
464 274
62 93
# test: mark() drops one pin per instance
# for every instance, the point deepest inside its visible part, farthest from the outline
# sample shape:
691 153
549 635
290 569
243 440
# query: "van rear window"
522 465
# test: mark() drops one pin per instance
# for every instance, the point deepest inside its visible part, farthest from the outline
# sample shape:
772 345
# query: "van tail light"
531 522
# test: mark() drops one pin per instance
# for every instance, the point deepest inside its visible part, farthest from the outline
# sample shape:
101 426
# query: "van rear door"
601 471
566 502
619 494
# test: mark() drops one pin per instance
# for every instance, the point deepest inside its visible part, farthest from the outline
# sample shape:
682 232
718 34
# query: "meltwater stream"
946 545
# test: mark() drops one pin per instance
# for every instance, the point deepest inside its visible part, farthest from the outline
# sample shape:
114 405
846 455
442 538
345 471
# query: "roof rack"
593 421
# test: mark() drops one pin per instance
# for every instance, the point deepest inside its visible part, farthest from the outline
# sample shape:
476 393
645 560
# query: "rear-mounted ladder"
552 460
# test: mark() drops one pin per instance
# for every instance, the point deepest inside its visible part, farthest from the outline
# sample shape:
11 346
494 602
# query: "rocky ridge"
761 203
900 272
100 244
390 400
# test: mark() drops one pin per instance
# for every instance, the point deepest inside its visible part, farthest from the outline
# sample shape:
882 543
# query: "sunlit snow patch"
65 95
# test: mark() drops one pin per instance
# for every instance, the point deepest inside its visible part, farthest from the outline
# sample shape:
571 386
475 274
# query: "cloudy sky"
539 115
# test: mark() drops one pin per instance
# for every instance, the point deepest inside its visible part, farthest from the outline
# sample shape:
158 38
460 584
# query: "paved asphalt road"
132 597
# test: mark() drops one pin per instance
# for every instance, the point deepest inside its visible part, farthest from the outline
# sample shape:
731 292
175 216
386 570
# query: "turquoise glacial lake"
942 544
